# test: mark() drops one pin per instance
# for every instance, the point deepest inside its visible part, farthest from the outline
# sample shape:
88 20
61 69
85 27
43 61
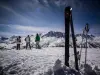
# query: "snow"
39 61
93 56
33 61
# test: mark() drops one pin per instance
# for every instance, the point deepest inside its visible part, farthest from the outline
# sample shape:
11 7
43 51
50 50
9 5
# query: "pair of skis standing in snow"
69 25
27 39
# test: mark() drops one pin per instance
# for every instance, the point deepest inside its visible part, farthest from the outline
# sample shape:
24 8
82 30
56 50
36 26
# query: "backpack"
25 39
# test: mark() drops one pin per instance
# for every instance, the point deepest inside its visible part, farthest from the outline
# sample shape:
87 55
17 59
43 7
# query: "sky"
23 17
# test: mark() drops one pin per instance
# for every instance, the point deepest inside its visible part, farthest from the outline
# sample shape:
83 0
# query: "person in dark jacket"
18 41
27 39
37 40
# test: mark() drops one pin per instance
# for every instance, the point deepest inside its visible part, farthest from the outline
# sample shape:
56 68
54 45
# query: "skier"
18 41
27 39
37 40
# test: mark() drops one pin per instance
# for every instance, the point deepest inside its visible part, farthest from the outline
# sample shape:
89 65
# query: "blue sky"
22 17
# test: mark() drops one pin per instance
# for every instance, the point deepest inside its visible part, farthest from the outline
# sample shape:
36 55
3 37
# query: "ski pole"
81 48
87 30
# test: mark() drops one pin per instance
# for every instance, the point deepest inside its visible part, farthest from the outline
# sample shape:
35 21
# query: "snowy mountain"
54 34
51 39
3 39
84 36
93 41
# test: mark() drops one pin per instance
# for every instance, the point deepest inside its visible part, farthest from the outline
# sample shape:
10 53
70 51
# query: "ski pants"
28 44
37 44
18 46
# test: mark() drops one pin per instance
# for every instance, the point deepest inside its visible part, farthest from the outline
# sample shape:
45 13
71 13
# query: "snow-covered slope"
52 42
30 62
40 61
93 41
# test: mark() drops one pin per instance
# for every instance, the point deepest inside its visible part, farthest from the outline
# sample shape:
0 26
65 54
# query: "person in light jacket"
27 39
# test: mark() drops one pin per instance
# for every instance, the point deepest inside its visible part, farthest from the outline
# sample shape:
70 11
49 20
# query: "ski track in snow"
36 61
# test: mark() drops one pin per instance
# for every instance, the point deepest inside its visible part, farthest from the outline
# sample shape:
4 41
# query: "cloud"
6 34
15 13
36 29
27 11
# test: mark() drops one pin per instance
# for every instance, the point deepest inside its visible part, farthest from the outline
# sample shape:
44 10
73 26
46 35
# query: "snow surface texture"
42 61
30 62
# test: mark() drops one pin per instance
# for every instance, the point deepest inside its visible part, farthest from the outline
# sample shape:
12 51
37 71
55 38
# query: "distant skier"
37 40
27 39
18 41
